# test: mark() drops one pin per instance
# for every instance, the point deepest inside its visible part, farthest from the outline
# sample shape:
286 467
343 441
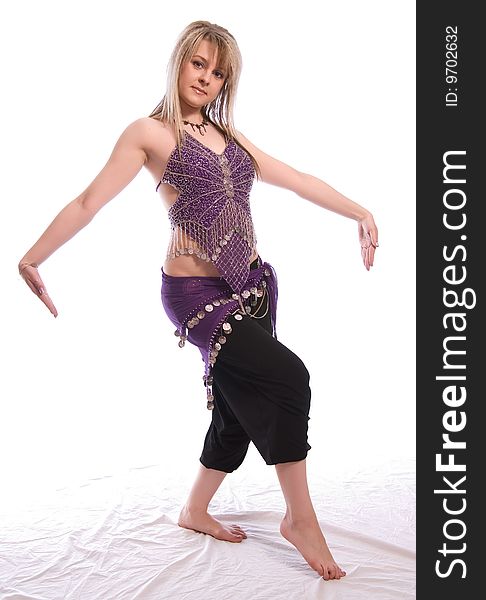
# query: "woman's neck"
193 118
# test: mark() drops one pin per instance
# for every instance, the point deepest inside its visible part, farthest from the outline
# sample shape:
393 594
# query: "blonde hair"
219 112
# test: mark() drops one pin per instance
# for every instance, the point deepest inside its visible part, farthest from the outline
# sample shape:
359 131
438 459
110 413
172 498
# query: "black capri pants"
261 394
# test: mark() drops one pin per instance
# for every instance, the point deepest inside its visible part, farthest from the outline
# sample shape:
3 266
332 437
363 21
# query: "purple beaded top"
211 216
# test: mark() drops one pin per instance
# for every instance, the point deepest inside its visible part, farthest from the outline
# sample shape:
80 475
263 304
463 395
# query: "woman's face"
202 72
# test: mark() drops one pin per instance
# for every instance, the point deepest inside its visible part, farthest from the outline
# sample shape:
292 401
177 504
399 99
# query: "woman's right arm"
126 160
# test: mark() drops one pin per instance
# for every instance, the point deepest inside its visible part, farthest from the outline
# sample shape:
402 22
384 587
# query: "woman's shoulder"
153 134
152 126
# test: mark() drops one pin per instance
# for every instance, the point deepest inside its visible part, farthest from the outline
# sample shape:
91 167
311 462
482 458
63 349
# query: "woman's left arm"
275 172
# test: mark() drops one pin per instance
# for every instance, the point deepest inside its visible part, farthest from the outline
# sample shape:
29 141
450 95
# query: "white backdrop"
326 87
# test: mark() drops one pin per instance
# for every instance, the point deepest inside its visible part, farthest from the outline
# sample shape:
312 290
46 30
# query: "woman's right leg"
194 515
225 447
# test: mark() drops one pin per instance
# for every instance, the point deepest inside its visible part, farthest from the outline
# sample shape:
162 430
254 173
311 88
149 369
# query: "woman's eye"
198 64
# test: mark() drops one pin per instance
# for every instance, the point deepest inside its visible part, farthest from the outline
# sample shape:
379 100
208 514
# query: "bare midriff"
188 265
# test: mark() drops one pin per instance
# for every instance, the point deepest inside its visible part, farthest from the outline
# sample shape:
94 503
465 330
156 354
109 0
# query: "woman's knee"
300 378
294 367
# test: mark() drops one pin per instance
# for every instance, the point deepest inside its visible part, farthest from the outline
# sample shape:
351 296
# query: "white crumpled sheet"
116 538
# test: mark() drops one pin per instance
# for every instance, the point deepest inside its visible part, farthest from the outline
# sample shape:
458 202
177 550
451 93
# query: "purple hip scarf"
200 305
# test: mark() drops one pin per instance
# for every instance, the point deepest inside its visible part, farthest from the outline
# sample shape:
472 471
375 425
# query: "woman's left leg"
300 525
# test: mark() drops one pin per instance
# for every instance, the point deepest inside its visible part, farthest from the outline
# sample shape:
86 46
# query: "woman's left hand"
368 239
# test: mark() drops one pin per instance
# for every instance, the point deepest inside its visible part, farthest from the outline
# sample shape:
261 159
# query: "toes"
332 572
237 530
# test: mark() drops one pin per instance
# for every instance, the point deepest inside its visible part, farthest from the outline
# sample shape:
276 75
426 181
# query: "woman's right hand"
31 276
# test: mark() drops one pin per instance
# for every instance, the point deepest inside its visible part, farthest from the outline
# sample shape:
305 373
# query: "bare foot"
307 537
203 522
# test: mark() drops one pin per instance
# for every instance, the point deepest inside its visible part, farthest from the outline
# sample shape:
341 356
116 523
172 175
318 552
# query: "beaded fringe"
206 243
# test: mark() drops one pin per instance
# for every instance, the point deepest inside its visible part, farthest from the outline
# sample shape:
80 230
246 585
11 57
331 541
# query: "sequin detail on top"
211 216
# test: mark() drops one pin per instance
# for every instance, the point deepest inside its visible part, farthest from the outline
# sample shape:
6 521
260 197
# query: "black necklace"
198 125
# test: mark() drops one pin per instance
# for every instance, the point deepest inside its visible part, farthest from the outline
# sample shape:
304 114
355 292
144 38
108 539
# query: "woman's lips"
198 91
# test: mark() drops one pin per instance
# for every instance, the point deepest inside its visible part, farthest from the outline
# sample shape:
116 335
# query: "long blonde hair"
219 112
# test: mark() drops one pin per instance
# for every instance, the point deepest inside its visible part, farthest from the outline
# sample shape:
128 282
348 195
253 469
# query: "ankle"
301 519
194 509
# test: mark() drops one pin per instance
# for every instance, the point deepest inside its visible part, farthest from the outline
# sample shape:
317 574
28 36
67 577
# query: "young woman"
216 289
